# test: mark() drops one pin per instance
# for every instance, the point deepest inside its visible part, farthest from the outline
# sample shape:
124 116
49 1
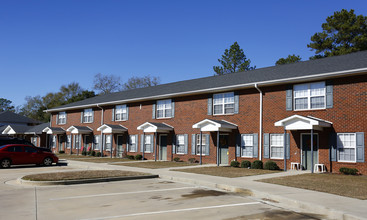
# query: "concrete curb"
83 181
330 213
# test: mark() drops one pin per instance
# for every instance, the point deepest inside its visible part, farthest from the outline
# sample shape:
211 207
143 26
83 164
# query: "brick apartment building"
283 113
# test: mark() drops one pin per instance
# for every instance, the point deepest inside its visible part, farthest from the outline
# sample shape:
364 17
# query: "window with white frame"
132 143
203 143
62 118
310 96
68 141
34 141
247 143
88 116
180 144
108 142
276 146
164 108
97 142
148 143
120 113
77 141
53 142
223 103
346 143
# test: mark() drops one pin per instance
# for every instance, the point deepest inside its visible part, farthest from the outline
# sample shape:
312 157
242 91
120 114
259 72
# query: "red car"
15 154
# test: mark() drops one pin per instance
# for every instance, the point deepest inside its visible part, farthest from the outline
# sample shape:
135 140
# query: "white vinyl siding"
346 143
121 113
132 143
310 96
62 118
203 142
164 108
88 116
223 103
276 146
180 144
247 144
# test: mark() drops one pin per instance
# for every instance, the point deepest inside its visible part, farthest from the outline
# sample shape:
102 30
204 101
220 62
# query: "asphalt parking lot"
133 199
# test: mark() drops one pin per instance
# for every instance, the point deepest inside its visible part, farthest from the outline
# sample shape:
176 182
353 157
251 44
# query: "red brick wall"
347 115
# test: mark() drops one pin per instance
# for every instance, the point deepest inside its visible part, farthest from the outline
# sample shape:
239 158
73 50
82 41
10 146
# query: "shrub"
61 152
98 154
177 159
235 163
84 153
131 157
270 165
245 164
93 153
192 160
138 157
348 171
257 164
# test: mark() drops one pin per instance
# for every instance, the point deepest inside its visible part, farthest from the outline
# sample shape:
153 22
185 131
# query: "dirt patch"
279 214
243 192
156 164
203 193
79 175
269 200
91 159
230 172
343 185
160 198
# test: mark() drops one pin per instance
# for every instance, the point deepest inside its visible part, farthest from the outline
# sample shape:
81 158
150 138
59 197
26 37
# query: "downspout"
260 122
102 144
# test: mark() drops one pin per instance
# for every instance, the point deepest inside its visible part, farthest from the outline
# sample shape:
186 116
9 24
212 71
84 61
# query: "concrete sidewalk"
332 206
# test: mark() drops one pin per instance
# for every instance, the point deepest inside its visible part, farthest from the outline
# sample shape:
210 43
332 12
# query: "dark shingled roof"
11 117
37 129
303 69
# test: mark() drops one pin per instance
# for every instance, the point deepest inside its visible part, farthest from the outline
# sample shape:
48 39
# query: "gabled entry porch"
110 133
309 140
222 129
77 135
157 137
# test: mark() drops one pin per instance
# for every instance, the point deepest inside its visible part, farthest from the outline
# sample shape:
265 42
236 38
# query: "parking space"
134 199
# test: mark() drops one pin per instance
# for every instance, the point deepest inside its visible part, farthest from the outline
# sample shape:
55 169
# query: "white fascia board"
220 89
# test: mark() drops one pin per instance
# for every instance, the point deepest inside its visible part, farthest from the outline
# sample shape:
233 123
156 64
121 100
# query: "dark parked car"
16 154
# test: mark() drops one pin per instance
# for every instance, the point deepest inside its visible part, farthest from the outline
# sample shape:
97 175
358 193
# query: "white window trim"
121 114
197 145
68 143
164 109
105 140
92 117
252 156
223 104
308 97
355 149
270 145
132 151
183 144
145 144
59 117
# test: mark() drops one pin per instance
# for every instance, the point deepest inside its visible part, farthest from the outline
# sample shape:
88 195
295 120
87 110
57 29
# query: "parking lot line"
174 210
122 193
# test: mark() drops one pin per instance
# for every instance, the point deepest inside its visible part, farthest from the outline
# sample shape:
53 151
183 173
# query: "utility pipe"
260 122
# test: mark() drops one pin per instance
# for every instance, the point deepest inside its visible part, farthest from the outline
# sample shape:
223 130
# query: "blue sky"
47 44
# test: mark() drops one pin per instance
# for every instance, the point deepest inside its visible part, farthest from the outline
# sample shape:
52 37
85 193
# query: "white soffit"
212 125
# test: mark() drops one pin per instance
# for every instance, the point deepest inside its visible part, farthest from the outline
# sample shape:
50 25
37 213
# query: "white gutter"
223 88
260 121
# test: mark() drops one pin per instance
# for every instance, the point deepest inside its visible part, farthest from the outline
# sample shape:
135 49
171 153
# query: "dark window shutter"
151 143
92 115
172 108
207 150
142 143
289 98
210 105
332 145
329 94
360 146
238 145
186 143
256 146
287 145
81 117
128 143
174 138
236 103
66 118
127 113
266 145
153 111
57 119
193 144
113 114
